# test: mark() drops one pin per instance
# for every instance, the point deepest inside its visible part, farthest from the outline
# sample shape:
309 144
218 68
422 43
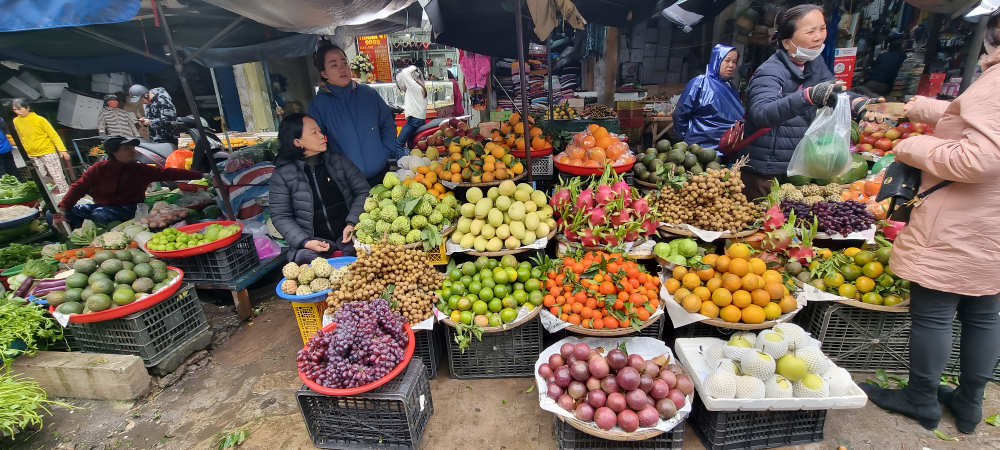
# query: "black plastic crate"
393 416
655 330
747 430
954 368
569 438
429 347
150 334
506 354
219 266
860 339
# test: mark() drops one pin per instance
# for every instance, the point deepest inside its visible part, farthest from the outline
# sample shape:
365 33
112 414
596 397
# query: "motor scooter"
156 153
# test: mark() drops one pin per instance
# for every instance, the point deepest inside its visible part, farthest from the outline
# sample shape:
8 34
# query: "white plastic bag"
824 151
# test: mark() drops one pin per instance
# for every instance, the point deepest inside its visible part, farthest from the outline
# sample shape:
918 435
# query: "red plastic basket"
407 356
578 170
136 306
211 246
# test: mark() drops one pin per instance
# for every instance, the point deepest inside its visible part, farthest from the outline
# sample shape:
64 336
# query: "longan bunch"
713 201
413 281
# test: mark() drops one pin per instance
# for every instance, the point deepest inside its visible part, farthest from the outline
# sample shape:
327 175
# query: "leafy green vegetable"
17 254
20 399
26 190
943 436
38 269
28 323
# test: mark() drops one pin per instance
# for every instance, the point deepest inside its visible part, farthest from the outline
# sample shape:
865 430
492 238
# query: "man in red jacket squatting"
116 185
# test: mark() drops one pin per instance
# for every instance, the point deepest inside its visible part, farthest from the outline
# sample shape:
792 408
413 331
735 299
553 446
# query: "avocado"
125 276
85 266
143 270
139 256
123 255
705 155
690 161
171 274
97 276
713 165
644 175
77 280
128 265
676 156
72 295
157 264
681 145
103 255
102 287
694 148
662 145
696 169
159 275
143 285
111 267
85 294
56 298
98 302
70 308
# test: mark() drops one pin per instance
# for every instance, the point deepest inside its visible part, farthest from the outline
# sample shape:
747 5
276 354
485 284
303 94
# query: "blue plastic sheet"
19 15
709 105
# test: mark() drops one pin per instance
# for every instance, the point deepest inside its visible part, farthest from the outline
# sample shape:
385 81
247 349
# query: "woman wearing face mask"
114 121
784 95
710 104
948 238
316 196
353 116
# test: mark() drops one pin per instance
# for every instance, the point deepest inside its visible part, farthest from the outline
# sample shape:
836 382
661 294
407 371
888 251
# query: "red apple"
893 133
870 128
441 149
868 140
896 142
883 126
919 127
867 148
884 144
904 135
878 135
915 134
878 152
905 126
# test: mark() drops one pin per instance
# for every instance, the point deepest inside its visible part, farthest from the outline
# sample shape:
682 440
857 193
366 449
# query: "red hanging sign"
377 49
844 60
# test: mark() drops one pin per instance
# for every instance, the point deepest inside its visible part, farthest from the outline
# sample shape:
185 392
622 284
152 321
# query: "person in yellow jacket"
41 143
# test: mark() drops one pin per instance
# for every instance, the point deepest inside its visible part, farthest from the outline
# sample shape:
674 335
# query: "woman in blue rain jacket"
710 104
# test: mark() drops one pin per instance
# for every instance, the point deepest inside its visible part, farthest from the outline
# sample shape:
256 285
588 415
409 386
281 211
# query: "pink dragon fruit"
619 218
622 189
641 206
631 236
803 251
891 229
771 259
588 238
774 218
610 238
779 239
649 227
585 201
605 195
561 199
598 217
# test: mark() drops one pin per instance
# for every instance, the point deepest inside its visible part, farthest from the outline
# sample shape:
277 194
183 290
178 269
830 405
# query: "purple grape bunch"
843 217
801 209
369 342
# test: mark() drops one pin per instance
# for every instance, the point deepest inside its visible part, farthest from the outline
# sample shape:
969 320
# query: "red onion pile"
616 389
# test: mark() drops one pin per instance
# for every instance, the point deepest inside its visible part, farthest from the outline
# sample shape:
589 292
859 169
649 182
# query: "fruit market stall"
506 219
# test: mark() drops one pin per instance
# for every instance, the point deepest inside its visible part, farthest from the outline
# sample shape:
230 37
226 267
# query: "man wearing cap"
136 107
116 185
160 112
114 121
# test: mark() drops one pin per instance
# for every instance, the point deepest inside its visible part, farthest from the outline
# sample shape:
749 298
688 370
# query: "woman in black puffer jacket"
784 94
316 196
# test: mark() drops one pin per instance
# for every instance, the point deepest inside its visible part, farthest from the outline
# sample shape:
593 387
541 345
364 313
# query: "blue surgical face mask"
806 54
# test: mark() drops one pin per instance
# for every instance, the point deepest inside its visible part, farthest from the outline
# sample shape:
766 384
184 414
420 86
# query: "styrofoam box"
652 35
636 55
105 87
666 34
646 72
53 90
78 111
31 81
18 88
113 78
675 64
649 50
691 352
660 63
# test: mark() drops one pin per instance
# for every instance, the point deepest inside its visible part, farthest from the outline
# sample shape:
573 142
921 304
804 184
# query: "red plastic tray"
211 246
407 356
578 170
134 307
534 153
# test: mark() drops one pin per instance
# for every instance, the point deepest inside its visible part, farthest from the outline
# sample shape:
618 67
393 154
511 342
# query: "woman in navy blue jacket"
784 94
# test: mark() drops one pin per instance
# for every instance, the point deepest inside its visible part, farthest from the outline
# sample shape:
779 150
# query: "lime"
532 285
495 321
882 255
524 265
891 300
510 302
466 280
536 298
469 268
453 302
520 297
536 273
500 276
508 261
486 274
446 284
523 274
508 315
467 317
70 308
457 289
511 274
834 280
493 264
480 307
904 284
455 275
517 286
475 286
477 278
473 297
500 291
496 305
489 283
486 294
464 304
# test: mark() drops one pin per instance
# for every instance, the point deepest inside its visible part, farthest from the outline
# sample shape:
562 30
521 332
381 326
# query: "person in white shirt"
411 82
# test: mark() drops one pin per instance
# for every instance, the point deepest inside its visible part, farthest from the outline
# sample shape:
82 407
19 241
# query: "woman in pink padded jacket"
950 249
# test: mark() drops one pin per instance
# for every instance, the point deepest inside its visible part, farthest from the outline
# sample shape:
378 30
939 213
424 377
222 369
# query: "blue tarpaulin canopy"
20 15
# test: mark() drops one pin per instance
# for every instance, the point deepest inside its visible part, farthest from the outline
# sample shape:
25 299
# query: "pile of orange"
595 147
865 191
619 293
734 287
429 179
511 134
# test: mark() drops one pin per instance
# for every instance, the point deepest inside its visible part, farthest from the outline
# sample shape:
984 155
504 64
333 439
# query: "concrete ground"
248 383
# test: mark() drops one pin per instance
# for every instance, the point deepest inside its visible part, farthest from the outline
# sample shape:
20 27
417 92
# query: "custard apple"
416 190
306 275
418 222
425 209
396 239
289 286
381 227
401 225
398 193
364 216
387 203
290 271
319 284
303 290
413 236
370 204
389 214
390 180
321 268
451 201
436 217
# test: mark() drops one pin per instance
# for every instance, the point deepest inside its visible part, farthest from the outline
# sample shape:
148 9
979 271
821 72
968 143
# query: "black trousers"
377 179
932 313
